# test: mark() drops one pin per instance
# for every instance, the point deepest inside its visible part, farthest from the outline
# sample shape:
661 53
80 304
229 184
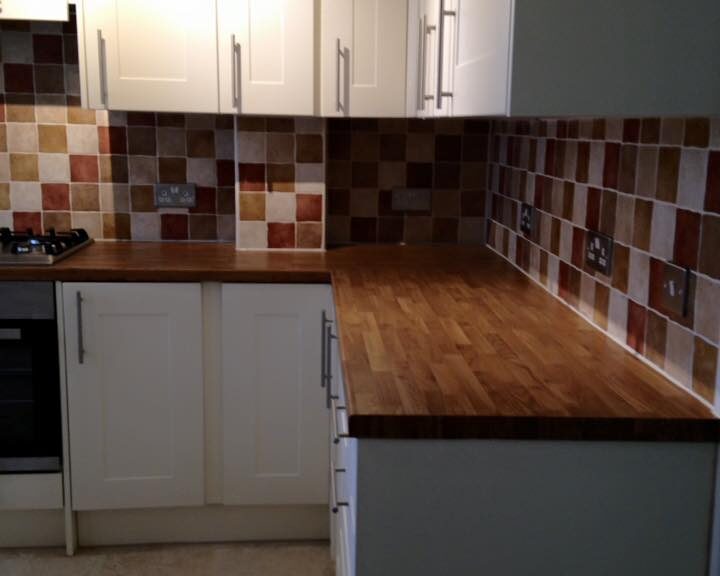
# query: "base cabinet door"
275 422
34 10
135 394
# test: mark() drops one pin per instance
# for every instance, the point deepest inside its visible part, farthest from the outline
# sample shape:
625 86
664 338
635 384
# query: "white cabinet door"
364 56
275 423
158 55
34 10
135 393
266 56
479 60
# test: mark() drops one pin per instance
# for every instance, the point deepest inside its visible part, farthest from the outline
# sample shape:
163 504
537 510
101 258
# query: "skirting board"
32 528
206 524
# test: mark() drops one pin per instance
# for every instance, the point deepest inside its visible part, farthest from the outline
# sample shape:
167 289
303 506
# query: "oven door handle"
81 346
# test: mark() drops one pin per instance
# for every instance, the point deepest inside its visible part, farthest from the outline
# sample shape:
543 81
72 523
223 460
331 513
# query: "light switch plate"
411 199
527 219
175 196
599 252
676 289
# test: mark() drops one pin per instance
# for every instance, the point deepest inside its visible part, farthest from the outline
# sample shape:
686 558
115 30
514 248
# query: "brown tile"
252 207
18 78
116 226
474 175
4 196
55 197
637 318
671 131
170 120
280 148
543 267
667 176
642 226
252 177
141 140
628 167
650 131
472 203
448 148
704 369
203 227
309 235
250 124
391 230
308 148
445 230
279 124
49 79
555 236
60 221
52 138
655 288
687 238
564 281
225 170
78 115
172 170
446 203
447 175
592 215
568 200
174 226
142 199
601 305
607 212
3 138
281 235
583 162
655 337
225 200
20 107
631 130
339 174
363 229
84 197
338 146
598 129
475 147
364 174
709 244
712 191
281 177
84 168
206 201
70 51
697 132
621 267
47 48
611 168
577 254
647 172
365 147
27 220
338 201
113 169
574 286
200 143
308 207
419 175
24 167
224 122
392 147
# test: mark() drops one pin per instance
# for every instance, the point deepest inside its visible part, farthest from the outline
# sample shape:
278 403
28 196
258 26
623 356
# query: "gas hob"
30 249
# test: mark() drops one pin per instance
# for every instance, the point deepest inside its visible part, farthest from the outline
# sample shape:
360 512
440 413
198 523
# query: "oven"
30 417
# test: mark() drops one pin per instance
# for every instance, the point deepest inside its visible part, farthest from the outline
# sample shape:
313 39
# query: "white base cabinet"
34 10
135 394
274 418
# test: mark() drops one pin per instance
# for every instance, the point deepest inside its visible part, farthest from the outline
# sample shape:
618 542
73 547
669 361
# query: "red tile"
206 201
578 247
225 173
637 317
84 168
19 78
252 177
112 140
612 165
657 269
564 280
592 216
47 48
687 238
174 226
24 220
582 167
55 197
281 235
712 193
309 207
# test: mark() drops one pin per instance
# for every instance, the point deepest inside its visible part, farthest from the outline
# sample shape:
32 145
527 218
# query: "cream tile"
679 353
587 296
614 129
566 236
6 219
251 235
145 226
662 236
25 196
639 276
545 230
512 247
693 174
707 308
251 147
54 167
202 171
624 218
280 207
114 198
597 163
91 221
580 205
617 315
102 117
82 139
50 109
529 193
535 262
22 137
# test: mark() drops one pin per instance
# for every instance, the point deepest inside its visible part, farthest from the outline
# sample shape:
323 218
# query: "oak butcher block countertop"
440 342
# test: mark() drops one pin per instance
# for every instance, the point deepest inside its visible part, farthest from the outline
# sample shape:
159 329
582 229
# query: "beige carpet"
180 560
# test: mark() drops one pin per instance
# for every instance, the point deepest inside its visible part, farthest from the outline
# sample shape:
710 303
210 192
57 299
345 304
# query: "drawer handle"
336 504
337 433
235 72
80 343
324 349
329 337
102 60
441 39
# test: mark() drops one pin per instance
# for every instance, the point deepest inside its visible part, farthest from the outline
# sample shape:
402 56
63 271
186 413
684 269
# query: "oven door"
30 428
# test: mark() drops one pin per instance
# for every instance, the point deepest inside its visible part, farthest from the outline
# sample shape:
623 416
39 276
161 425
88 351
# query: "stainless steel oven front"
30 417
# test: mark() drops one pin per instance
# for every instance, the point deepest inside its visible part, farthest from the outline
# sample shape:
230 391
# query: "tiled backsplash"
367 158
651 184
63 166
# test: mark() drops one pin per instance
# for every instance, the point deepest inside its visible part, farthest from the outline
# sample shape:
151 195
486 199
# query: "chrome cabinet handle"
235 72
427 30
81 345
441 41
336 504
328 367
324 349
339 54
337 433
421 65
102 61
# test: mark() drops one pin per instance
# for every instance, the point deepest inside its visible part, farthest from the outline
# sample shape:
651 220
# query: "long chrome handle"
102 61
336 504
338 55
324 349
441 41
421 65
427 30
235 72
81 346
328 366
337 433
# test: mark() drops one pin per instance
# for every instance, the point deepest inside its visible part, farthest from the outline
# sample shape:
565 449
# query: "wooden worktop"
440 342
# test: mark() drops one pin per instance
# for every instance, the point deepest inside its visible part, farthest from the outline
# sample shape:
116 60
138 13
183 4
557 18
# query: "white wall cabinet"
135 394
34 10
266 56
363 57
275 422
157 55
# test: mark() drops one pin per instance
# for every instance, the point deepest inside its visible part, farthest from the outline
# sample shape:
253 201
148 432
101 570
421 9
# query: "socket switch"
599 252
527 219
